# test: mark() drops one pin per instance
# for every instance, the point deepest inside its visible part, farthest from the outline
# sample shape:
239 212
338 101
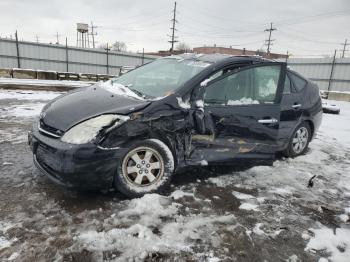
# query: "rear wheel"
146 168
299 141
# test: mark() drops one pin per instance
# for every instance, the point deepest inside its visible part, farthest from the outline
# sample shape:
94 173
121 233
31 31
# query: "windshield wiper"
136 92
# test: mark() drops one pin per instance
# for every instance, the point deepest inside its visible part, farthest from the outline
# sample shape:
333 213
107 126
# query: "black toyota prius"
136 131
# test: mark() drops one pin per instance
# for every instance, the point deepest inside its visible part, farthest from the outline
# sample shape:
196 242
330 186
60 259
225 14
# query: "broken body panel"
197 133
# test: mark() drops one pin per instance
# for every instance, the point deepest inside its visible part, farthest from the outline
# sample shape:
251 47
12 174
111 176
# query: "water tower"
83 35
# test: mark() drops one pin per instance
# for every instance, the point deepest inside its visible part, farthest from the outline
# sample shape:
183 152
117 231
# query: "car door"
291 107
243 108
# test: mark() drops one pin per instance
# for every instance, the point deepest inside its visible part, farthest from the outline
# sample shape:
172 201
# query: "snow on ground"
148 227
337 126
12 135
29 95
248 214
41 82
21 106
27 110
335 241
26 104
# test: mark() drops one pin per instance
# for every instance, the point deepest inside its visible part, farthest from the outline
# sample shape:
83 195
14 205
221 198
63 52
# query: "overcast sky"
304 27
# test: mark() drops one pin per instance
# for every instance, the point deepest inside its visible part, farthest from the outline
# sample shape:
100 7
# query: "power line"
306 39
344 48
306 19
173 29
269 41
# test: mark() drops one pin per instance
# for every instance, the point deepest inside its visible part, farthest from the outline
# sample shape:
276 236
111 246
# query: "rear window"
298 82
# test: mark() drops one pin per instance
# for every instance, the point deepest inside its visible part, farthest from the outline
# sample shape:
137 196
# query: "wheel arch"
312 127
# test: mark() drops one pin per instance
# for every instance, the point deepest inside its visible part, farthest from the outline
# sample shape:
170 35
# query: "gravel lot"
259 213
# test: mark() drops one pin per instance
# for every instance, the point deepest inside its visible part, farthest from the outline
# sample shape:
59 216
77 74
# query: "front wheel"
146 168
299 141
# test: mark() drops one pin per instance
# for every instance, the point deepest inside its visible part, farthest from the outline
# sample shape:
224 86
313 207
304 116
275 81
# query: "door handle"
296 106
268 121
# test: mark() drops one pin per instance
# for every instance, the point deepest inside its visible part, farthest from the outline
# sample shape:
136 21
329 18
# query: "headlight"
86 131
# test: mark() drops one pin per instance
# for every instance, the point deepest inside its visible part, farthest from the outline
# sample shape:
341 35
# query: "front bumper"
84 166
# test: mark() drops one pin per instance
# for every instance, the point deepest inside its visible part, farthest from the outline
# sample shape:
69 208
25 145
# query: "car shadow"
192 174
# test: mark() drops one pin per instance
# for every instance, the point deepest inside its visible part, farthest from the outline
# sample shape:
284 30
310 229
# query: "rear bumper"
78 166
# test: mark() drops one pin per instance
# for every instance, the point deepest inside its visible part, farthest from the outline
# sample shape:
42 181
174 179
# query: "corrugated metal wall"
54 57
319 71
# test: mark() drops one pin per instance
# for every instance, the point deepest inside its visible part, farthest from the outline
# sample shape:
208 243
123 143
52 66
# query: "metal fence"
331 74
63 58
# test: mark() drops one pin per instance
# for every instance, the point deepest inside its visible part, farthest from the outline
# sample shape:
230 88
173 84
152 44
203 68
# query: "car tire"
147 167
299 141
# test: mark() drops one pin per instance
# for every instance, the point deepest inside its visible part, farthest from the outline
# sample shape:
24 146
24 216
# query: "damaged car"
136 131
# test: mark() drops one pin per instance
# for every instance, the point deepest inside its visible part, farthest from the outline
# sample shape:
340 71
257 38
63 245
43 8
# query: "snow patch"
152 224
42 82
177 194
343 217
119 89
150 209
183 104
29 95
13 256
203 162
205 82
249 206
29 110
242 196
200 103
334 241
258 231
4 242
13 135
282 191
293 258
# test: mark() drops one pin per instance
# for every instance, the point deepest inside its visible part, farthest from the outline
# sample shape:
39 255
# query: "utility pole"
67 61
269 41
344 48
17 49
57 40
332 70
173 29
93 34
107 62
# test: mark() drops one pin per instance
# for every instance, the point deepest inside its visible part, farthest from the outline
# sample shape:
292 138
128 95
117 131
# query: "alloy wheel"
143 166
300 139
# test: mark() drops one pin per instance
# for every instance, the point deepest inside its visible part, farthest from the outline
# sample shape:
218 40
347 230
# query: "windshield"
161 77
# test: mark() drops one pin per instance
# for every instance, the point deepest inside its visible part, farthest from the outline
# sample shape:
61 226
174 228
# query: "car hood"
77 106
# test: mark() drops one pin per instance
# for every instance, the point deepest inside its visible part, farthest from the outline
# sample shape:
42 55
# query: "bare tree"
183 47
119 46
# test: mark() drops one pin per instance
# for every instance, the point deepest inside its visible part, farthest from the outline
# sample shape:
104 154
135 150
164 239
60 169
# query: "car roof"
218 58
